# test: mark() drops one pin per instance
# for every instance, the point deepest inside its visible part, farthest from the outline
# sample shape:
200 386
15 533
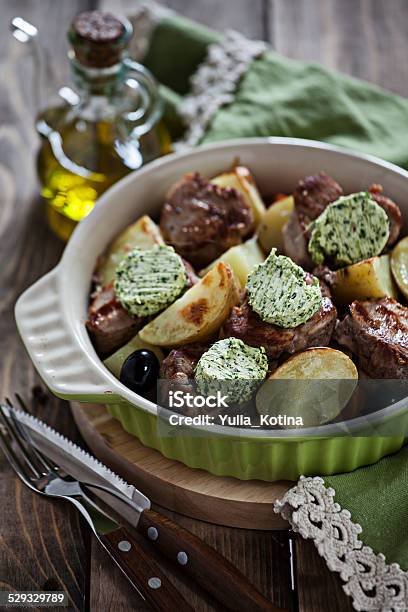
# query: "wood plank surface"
317 588
246 16
364 38
194 493
43 544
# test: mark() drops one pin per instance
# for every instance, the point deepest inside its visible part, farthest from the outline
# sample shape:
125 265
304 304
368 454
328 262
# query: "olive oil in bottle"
108 126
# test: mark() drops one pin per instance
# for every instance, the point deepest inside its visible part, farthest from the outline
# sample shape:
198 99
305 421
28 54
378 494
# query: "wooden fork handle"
143 573
205 565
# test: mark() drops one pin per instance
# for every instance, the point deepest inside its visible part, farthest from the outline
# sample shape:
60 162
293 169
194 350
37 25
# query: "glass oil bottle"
107 126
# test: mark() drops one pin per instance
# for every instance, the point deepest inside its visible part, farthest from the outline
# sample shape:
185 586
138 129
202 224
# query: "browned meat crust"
245 324
327 278
295 240
192 277
314 193
108 324
312 196
377 332
178 369
392 210
180 363
201 220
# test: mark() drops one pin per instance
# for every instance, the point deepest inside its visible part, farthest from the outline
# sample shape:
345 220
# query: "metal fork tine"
14 461
45 464
11 430
22 403
52 469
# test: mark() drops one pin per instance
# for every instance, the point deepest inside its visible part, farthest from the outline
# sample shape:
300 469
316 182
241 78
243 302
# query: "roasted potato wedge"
314 385
242 258
115 362
199 313
241 179
370 278
272 224
143 234
399 265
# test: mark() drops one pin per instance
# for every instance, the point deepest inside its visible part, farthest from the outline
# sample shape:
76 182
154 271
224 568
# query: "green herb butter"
349 230
148 281
279 292
231 360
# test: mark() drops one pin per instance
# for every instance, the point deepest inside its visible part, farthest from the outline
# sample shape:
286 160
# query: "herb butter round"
281 292
351 229
231 367
148 281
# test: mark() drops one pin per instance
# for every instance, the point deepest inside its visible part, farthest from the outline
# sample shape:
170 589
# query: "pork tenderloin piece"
178 369
180 363
312 195
245 324
109 324
202 220
376 331
392 210
295 240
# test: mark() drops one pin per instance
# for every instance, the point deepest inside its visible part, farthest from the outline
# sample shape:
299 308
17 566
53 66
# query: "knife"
196 559
125 548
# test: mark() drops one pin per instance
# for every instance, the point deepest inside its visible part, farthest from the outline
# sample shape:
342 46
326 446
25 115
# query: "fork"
44 478
52 467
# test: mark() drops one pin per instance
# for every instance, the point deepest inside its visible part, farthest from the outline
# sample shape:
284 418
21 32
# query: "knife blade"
84 467
201 562
125 548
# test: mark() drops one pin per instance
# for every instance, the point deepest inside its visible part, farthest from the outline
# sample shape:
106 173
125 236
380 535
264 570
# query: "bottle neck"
102 82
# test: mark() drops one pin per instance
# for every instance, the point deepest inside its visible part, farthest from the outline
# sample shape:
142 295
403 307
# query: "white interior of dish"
276 163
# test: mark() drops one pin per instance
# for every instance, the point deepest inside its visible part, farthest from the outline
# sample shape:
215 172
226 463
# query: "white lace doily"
372 584
214 83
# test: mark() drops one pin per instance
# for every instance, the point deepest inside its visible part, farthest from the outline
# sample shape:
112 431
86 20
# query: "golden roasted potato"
115 362
241 179
314 385
399 265
242 258
199 313
272 224
370 278
143 234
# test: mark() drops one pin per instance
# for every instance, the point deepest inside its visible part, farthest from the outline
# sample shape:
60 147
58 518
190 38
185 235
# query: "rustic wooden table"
44 545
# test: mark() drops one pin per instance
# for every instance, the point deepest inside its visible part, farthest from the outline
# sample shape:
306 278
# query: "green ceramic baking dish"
51 316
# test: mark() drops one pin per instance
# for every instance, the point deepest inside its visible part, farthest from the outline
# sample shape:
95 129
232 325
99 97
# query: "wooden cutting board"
195 493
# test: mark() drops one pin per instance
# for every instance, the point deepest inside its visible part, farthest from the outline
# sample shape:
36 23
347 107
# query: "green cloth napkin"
377 498
282 97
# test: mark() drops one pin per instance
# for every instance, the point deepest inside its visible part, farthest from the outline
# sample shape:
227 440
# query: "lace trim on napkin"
372 584
214 83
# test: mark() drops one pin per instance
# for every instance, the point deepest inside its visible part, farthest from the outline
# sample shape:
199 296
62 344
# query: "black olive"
140 371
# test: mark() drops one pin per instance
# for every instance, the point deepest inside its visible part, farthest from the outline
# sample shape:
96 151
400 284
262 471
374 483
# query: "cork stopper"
99 38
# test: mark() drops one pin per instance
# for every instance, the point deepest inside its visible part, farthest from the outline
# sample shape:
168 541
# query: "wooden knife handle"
143 573
205 565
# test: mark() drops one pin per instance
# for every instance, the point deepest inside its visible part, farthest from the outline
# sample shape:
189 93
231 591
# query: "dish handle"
61 361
